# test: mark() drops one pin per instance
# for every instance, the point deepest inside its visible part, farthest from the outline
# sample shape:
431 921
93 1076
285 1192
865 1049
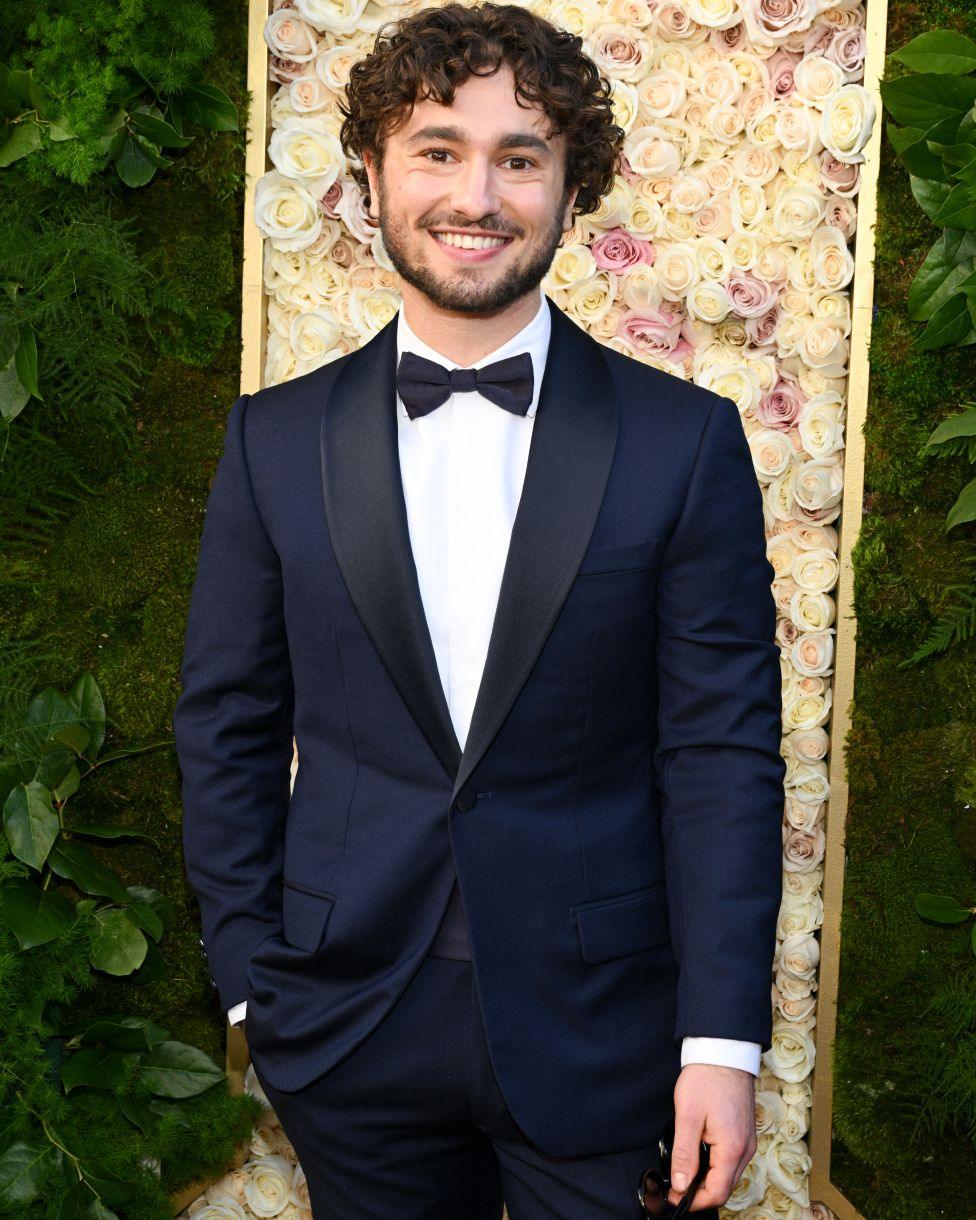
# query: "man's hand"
716 1104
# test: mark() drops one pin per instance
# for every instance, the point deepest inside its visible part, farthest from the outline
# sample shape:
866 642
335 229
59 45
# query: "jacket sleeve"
233 723
718 760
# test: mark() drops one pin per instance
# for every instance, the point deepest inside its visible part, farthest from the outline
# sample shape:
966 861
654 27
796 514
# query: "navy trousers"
412 1126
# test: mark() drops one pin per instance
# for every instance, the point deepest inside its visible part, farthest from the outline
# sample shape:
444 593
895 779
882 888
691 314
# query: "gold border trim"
822 1189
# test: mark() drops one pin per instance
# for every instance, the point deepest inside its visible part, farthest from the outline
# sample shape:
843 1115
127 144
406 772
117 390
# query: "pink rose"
329 201
762 330
750 296
732 39
781 407
616 250
653 332
839 176
847 49
841 214
284 71
780 68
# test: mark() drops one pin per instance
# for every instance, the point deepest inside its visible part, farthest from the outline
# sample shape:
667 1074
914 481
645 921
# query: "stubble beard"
470 291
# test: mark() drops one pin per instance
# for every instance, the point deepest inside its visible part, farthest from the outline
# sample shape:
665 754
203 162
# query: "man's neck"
464 337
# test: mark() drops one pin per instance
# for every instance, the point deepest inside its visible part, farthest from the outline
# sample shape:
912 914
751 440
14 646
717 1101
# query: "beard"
466 291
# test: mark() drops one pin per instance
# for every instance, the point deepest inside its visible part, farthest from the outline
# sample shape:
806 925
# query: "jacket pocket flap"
304 915
626 923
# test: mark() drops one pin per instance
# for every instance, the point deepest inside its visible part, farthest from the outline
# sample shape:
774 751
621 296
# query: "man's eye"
527 164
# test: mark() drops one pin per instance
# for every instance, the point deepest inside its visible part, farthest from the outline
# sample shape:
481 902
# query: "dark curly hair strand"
429 53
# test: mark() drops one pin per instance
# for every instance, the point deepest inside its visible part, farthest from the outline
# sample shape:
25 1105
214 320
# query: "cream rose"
290 37
789 1169
618 51
220 1209
336 16
651 153
285 211
267 1192
661 93
570 265
846 122
333 66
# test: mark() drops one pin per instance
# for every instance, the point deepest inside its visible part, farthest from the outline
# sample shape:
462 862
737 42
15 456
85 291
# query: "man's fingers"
723 1162
684 1155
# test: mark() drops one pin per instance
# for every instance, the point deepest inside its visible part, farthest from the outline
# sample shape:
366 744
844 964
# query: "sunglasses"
652 1191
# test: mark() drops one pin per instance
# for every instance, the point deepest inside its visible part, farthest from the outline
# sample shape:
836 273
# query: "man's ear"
369 164
568 219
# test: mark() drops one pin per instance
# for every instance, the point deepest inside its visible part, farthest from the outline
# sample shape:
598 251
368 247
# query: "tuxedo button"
467 798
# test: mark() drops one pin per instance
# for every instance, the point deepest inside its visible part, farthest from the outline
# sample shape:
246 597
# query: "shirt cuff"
236 1014
727 1052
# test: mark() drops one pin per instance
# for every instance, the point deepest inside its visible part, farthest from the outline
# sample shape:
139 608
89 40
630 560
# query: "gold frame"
254 348
822 1189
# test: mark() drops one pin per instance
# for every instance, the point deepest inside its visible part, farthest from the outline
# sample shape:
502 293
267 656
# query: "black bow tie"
424 384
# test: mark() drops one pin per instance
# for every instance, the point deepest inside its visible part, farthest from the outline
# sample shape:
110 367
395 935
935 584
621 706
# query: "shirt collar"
533 338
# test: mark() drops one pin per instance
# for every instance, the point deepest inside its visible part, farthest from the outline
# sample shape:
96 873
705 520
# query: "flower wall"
721 255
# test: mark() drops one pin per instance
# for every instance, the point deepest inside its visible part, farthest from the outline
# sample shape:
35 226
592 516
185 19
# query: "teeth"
466 242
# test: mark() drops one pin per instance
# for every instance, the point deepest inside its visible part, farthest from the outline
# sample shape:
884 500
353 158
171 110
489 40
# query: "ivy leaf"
942 51
175 1069
35 916
31 823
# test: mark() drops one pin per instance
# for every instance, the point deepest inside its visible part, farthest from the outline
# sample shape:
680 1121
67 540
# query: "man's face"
480 166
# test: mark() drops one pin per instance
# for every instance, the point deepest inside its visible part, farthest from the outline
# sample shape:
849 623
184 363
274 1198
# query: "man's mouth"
471 247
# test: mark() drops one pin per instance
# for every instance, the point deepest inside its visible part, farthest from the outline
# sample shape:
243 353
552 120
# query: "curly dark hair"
429 53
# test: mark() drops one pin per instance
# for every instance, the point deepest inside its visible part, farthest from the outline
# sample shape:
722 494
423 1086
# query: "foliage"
130 1060
110 82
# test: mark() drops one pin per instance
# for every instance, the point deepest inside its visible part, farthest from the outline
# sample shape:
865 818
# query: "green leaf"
107 1183
86 702
74 1202
123 1033
118 946
955 427
929 97
59 131
942 51
146 918
964 508
96 1067
148 122
132 165
24 1169
24 139
138 1113
914 153
152 152
163 906
941 908
209 107
75 862
69 785
26 360
13 396
929 194
947 264
949 324
97 830
175 1069
35 916
154 968
54 766
31 823
954 156
958 210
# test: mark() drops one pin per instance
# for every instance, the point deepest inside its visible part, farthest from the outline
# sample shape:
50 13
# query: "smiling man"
508 589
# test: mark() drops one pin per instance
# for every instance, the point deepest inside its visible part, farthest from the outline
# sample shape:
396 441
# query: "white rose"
708 302
715 14
570 265
221 1209
797 211
815 78
792 1052
724 122
822 344
805 711
788 1166
270 1185
614 209
623 103
290 38
337 16
305 149
799 915
819 483
333 66
285 211
780 551
590 298
750 1188
630 12
370 309
661 93
677 269
748 204
846 122
651 153
689 192
577 16
812 611
639 288
809 781
313 335
833 263
797 129
738 382
306 95
772 453
820 425
815 570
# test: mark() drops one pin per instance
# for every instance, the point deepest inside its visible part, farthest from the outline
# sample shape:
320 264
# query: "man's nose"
475 190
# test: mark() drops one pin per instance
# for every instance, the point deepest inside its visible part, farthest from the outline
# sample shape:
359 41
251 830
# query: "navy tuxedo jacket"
614 819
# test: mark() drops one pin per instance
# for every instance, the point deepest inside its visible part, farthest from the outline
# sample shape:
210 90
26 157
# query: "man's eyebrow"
513 139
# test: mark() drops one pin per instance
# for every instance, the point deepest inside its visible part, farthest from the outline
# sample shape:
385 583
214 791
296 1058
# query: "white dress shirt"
462 467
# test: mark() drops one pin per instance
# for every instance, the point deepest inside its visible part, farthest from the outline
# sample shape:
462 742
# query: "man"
508 589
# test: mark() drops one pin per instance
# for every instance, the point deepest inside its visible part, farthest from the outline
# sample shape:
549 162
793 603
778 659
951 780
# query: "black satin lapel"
572 447
367 519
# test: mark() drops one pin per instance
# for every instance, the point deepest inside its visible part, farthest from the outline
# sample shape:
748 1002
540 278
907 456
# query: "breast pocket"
622 558
305 915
